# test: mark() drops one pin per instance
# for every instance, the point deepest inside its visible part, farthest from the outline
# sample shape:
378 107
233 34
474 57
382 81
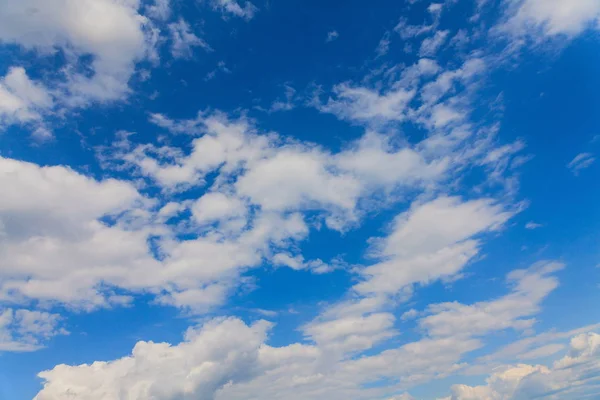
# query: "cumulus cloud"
571 377
228 359
552 17
112 32
220 353
21 99
26 330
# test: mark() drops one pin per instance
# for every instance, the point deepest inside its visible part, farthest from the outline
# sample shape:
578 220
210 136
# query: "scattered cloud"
384 45
571 377
24 330
430 46
183 40
159 9
232 7
533 225
115 35
22 100
331 36
220 353
551 17
221 67
581 162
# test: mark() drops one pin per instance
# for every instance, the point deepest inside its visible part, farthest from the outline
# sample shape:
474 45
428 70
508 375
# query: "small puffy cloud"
581 162
25 330
232 7
410 314
331 36
533 225
183 40
21 99
361 104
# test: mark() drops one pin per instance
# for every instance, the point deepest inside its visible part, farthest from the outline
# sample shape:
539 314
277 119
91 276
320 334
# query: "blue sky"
228 200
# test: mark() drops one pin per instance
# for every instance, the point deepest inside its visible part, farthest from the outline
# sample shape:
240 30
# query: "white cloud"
25 330
407 31
183 40
111 31
268 182
420 95
375 161
246 12
257 167
514 310
298 262
285 104
571 377
552 17
331 36
533 225
362 104
217 206
580 162
541 352
55 247
430 241
159 9
351 333
227 359
410 314
220 353
384 45
21 99
430 46
221 66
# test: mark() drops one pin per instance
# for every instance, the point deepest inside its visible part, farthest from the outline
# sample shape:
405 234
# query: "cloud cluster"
26 330
189 221
228 359
222 352
571 377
